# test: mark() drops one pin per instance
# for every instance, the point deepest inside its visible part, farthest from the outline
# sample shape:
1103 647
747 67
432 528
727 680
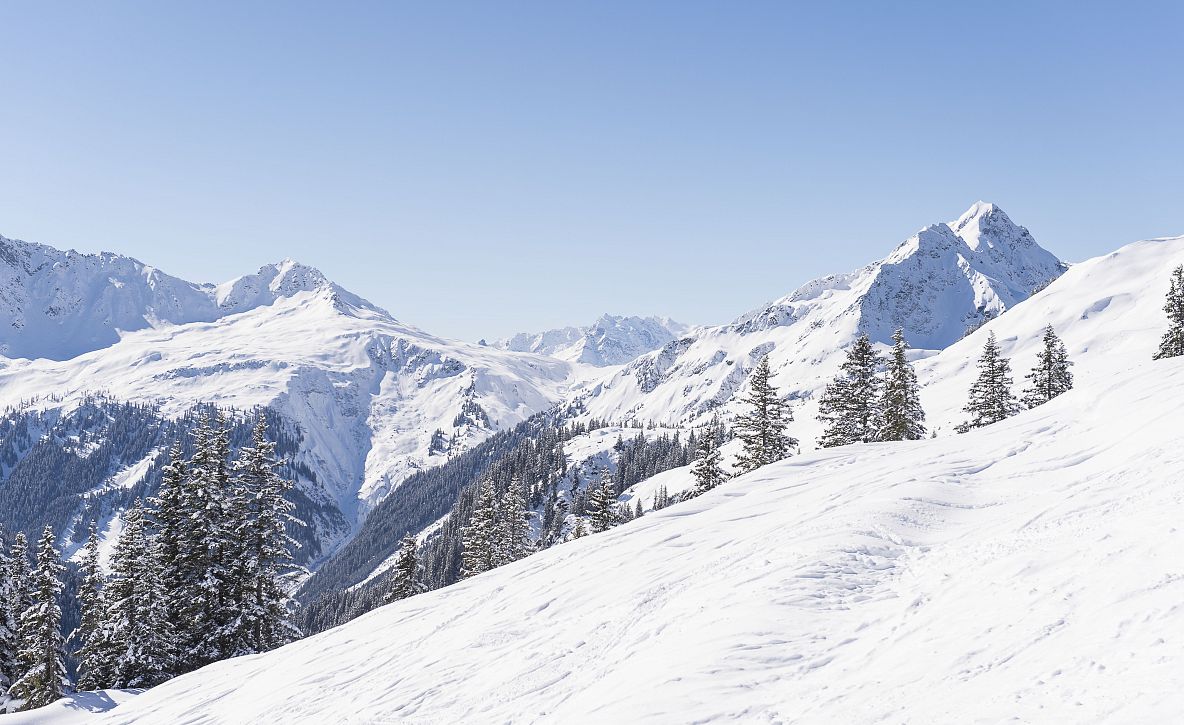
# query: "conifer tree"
638 511
1172 344
850 407
94 652
20 599
8 633
513 525
902 419
479 538
137 616
991 399
42 654
406 581
762 430
602 509
706 469
258 514
1051 376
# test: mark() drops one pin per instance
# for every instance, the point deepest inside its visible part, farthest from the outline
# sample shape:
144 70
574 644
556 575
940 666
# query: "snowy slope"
936 284
1026 571
611 340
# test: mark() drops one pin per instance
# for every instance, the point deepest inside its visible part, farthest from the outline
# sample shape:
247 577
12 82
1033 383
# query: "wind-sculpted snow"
1027 571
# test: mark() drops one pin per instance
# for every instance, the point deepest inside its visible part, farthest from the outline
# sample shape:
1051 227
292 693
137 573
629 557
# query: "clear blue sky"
484 168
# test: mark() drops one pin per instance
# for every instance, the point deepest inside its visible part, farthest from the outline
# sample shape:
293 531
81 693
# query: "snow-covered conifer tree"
602 507
1050 377
850 407
902 418
137 616
406 580
706 469
19 576
94 651
991 399
1172 344
42 656
8 633
513 525
762 429
479 538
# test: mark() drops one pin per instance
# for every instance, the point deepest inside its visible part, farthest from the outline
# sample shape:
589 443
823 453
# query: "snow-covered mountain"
611 340
943 281
1025 571
373 399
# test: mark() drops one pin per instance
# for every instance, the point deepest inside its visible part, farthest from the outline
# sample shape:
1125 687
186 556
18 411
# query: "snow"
611 340
1024 571
72 709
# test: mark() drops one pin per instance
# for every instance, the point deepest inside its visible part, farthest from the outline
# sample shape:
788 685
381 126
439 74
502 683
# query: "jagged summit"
611 340
61 304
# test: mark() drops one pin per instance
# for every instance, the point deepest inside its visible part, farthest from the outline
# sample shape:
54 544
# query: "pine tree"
94 652
602 508
850 407
479 538
707 470
42 654
1051 376
991 399
406 580
638 511
1172 344
762 431
513 527
8 633
258 514
137 616
902 419
19 584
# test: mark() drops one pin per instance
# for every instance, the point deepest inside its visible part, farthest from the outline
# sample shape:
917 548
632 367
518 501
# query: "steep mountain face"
611 340
62 304
372 400
942 281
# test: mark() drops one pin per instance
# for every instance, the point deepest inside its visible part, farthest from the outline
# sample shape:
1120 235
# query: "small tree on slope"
405 582
991 399
140 632
602 507
8 634
762 430
902 418
1051 376
94 650
1172 344
850 407
707 470
479 538
43 647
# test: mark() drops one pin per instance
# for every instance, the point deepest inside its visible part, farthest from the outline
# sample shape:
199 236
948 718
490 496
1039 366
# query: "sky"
480 169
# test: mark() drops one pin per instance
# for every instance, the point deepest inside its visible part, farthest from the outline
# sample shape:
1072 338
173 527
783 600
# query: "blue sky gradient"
486 168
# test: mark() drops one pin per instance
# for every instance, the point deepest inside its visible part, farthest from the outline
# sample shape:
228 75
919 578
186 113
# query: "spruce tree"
706 469
8 633
762 430
19 577
902 418
1172 344
261 555
479 538
43 647
850 407
602 509
94 651
513 523
1051 376
991 399
137 616
406 580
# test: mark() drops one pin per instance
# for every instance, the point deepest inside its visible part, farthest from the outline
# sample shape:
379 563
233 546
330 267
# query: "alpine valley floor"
1030 571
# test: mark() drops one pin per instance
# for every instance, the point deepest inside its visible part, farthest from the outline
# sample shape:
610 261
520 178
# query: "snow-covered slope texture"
611 340
62 304
1028 571
936 285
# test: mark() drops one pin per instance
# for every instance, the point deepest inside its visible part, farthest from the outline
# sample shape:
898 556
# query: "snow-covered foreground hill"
1029 570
